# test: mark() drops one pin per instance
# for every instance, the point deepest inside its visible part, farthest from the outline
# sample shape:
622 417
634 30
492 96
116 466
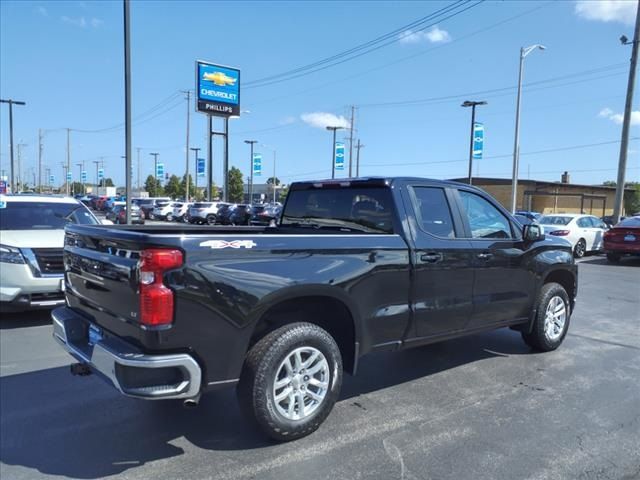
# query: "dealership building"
552 197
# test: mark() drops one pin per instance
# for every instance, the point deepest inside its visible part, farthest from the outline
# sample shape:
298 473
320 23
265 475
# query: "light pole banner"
69 176
200 167
339 157
83 176
478 140
100 173
52 179
257 164
160 171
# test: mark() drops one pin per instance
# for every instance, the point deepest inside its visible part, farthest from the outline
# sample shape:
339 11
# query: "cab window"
485 220
433 212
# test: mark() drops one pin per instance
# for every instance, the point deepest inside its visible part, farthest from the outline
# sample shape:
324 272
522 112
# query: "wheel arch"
328 307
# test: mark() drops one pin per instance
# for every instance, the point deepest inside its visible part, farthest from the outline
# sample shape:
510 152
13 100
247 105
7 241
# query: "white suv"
31 244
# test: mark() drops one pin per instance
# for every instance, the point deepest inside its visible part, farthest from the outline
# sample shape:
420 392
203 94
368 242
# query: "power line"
357 48
264 83
409 57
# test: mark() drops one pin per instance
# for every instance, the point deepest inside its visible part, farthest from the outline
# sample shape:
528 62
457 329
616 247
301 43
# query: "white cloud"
82 22
623 11
617 118
433 35
42 11
324 119
287 120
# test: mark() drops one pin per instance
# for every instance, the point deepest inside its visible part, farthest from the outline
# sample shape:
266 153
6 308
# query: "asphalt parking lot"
482 407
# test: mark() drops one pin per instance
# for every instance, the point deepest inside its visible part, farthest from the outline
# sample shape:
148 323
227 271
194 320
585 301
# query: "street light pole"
333 151
626 121
97 163
250 189
68 161
11 104
516 143
195 151
472 104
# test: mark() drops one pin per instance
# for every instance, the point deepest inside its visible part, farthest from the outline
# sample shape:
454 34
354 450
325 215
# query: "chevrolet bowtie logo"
219 79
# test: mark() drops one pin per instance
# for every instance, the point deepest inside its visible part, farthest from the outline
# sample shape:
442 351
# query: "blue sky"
65 59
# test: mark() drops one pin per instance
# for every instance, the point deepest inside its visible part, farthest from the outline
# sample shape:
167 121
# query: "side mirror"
532 232
104 221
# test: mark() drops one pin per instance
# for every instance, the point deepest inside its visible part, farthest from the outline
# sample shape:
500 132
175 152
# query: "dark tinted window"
201 205
366 209
43 215
434 214
485 220
630 222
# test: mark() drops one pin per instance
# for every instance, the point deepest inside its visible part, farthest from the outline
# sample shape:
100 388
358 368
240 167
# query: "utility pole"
516 143
39 160
186 150
67 181
64 172
138 150
127 106
472 104
250 187
626 122
353 108
195 151
358 147
19 180
11 104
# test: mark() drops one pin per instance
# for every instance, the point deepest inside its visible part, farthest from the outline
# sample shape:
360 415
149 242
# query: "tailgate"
101 276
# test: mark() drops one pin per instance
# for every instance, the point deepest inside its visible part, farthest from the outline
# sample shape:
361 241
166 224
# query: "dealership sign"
339 156
217 89
200 167
257 164
478 140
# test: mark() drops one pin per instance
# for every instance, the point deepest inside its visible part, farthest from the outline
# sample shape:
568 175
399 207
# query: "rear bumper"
133 373
622 248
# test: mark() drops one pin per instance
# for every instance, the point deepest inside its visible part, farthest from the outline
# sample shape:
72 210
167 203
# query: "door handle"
485 256
431 257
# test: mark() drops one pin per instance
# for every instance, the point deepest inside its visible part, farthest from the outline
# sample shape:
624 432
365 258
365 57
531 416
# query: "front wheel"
211 219
580 248
290 381
169 218
551 322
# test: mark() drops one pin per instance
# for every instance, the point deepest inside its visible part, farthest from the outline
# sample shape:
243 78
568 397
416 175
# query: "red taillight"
156 300
560 233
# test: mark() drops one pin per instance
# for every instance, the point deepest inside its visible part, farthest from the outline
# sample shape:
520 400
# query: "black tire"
613 257
538 338
580 249
211 219
255 389
169 218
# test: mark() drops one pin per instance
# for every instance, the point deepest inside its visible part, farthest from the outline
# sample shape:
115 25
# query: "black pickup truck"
354 266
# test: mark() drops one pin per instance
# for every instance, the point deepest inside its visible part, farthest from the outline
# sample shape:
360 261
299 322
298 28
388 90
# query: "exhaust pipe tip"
191 402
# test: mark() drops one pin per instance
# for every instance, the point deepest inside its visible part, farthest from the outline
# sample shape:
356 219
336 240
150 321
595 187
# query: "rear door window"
433 211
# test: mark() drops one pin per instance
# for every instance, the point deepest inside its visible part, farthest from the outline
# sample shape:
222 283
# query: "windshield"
554 220
359 209
201 205
43 215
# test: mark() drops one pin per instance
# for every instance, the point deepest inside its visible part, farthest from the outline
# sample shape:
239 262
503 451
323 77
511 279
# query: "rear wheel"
169 218
291 380
580 248
551 323
613 257
211 219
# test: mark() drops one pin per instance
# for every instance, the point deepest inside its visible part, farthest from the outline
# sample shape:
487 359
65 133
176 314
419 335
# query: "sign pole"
127 107
226 159
209 155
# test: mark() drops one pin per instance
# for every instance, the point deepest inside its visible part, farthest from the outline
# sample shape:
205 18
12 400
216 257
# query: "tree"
77 188
631 200
172 188
183 187
236 185
152 186
283 193
107 182
270 181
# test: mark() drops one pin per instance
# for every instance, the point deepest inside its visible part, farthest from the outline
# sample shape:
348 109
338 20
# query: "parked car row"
221 213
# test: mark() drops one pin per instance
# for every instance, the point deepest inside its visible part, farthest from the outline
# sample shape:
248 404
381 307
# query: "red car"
623 239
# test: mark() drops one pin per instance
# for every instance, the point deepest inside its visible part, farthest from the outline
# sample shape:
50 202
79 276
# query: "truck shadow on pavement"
35 318
78 427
